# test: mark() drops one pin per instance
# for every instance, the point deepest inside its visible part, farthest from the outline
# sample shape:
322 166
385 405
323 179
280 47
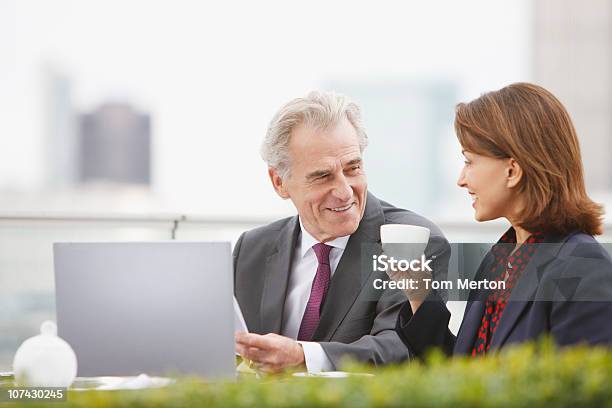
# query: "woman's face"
486 180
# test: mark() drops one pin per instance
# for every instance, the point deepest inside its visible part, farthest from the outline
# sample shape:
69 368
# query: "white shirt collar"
307 241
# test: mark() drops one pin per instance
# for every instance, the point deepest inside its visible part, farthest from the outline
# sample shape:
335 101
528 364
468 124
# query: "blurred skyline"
212 76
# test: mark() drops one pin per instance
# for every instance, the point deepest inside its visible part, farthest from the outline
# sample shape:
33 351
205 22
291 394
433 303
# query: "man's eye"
467 162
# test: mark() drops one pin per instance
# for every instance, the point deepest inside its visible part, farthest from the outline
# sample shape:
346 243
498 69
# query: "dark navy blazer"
580 311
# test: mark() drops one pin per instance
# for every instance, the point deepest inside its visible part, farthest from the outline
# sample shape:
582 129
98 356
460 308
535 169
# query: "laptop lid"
159 308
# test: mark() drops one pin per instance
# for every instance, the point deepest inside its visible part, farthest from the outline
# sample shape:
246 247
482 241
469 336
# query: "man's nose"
342 189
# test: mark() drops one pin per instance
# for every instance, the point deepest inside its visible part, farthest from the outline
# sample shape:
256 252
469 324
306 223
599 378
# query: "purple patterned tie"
320 284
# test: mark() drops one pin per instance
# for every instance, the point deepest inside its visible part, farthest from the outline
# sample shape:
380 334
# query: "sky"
212 74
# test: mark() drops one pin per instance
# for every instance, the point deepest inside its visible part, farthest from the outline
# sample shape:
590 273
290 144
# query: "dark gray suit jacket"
565 292
357 321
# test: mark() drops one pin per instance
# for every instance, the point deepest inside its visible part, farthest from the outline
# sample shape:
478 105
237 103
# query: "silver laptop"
160 308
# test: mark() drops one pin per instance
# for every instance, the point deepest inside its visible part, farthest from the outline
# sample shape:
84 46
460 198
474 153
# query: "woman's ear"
514 173
278 183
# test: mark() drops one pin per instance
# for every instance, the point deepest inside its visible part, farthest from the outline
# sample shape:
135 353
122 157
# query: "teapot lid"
48 328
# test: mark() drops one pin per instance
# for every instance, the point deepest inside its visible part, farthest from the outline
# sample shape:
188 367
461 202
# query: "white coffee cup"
415 238
403 234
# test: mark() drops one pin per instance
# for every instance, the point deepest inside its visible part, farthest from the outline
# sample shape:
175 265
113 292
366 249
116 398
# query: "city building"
115 145
572 57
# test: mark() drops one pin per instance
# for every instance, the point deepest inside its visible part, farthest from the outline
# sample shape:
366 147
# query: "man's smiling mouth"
342 209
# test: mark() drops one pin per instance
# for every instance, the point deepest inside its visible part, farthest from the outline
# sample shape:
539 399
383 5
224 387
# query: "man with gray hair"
299 281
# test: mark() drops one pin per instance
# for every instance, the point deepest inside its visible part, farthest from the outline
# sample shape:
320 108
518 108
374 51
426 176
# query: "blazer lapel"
474 310
466 336
348 280
523 293
277 269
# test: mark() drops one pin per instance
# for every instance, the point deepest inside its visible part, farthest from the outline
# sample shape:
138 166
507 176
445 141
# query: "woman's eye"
466 162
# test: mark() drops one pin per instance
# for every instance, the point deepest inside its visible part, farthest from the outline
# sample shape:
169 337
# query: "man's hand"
271 353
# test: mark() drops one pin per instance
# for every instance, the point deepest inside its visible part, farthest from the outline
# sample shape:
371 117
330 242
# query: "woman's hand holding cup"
406 245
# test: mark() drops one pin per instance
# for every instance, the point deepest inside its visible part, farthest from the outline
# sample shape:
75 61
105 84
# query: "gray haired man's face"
327 182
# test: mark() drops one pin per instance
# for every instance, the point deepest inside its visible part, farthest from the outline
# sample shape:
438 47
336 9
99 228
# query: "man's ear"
514 173
277 183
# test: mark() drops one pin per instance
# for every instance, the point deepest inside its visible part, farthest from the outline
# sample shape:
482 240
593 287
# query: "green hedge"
526 376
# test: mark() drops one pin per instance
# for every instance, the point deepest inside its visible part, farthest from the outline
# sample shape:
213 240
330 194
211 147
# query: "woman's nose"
461 181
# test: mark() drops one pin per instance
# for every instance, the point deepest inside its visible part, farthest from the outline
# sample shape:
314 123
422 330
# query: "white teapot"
45 360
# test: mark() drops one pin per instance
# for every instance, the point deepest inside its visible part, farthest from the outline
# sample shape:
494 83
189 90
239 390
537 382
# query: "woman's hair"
527 123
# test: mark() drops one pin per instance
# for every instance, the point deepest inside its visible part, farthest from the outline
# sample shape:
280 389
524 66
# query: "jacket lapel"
474 310
469 327
526 287
278 265
347 282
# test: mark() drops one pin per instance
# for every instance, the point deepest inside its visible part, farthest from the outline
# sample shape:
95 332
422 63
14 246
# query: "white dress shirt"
303 270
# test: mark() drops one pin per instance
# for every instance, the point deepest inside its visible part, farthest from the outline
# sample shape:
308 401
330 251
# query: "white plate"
119 383
333 374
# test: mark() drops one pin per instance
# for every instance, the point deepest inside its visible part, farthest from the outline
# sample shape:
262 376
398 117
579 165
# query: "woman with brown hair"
522 163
